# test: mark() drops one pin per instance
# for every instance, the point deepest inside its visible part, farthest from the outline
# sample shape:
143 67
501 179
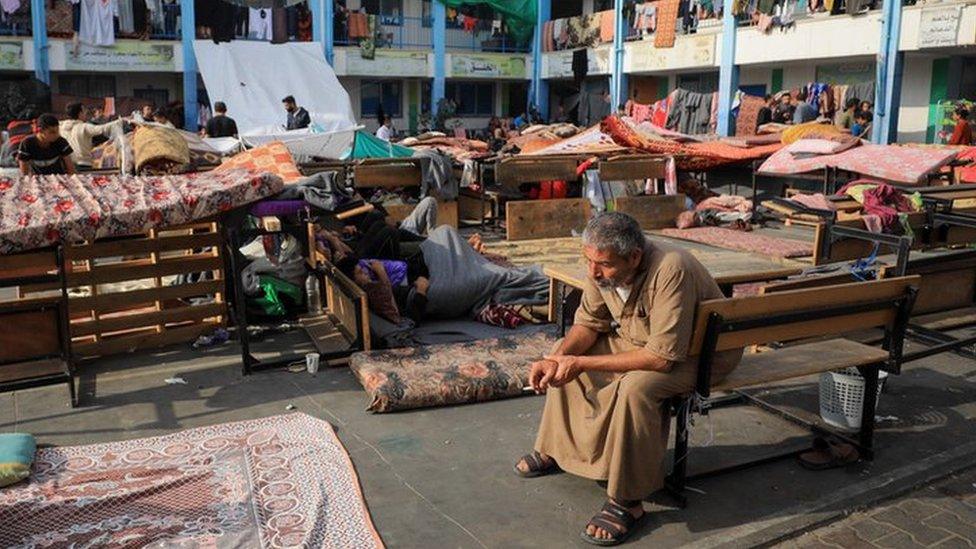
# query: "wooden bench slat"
535 219
798 361
33 369
796 300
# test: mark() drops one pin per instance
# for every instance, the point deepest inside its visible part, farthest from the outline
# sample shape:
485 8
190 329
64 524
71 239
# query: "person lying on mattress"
446 277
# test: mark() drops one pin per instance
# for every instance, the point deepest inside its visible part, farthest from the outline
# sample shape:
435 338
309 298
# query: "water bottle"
312 296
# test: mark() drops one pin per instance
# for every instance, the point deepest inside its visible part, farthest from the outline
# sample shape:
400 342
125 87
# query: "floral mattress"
38 211
453 373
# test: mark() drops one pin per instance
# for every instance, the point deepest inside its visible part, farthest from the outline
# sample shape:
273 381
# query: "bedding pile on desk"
38 211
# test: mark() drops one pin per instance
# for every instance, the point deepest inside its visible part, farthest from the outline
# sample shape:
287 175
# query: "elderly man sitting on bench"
608 383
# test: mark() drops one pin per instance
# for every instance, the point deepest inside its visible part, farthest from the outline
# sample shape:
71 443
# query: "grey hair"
614 232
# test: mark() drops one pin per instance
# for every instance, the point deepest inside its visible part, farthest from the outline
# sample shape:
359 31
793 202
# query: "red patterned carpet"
283 481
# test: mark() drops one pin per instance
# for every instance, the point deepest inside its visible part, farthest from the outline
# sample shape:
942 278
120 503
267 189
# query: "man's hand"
541 374
349 230
567 369
422 285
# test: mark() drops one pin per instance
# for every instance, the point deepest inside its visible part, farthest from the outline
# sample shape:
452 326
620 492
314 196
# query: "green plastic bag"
277 296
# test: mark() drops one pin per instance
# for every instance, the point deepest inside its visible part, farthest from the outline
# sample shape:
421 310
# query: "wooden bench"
35 343
805 314
946 298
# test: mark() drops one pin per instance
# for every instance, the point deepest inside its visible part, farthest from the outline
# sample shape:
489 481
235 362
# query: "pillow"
271 158
381 301
16 456
818 146
453 373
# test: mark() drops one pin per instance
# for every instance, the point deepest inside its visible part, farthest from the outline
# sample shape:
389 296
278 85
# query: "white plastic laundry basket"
842 397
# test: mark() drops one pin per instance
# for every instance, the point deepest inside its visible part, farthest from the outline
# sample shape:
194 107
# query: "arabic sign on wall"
846 74
688 52
487 65
387 63
11 55
939 27
123 56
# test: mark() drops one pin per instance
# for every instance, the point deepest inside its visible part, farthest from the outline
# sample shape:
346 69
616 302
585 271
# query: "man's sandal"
614 519
537 466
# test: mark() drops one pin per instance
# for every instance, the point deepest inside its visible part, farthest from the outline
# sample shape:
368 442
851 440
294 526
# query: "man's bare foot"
619 516
476 243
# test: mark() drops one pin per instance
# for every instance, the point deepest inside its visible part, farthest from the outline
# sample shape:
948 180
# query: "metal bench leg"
675 483
866 435
72 392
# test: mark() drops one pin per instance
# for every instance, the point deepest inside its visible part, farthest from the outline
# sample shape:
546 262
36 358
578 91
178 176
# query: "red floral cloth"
689 156
38 211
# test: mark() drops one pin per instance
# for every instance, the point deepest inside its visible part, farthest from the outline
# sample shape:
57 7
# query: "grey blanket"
462 281
437 175
320 190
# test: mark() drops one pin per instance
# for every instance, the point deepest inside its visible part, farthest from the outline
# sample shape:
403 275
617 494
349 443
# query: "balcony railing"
399 32
17 23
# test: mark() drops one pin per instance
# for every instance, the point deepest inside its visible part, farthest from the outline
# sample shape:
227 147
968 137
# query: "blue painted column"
539 87
618 79
42 63
728 75
887 85
189 33
328 28
439 31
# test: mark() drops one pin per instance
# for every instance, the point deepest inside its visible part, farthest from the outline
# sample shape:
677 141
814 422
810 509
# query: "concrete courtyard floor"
443 477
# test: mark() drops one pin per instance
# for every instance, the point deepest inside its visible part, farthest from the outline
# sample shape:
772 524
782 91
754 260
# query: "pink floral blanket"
38 211
729 239
888 162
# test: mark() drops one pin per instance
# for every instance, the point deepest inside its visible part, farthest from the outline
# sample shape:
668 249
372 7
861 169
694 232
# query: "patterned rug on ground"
743 241
283 481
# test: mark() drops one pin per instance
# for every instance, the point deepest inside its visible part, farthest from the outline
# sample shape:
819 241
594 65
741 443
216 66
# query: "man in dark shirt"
783 112
765 114
298 117
45 152
221 125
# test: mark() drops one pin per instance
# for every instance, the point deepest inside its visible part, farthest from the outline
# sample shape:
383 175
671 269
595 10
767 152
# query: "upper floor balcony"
412 29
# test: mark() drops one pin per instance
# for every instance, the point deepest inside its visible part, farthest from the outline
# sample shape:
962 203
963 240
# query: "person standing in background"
805 112
783 112
765 114
79 133
845 118
221 125
45 152
962 134
386 131
298 117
